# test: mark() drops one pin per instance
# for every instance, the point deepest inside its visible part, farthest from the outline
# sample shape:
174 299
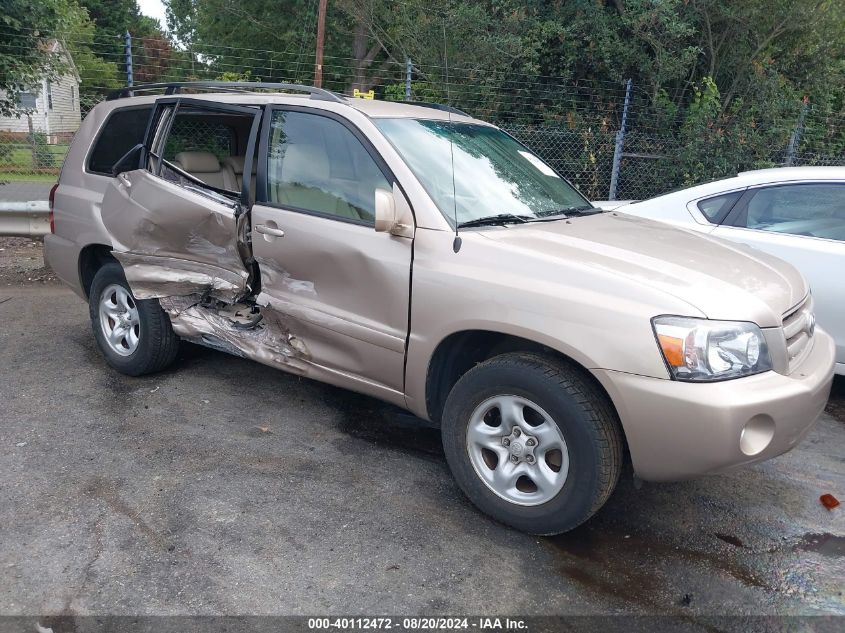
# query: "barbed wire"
572 123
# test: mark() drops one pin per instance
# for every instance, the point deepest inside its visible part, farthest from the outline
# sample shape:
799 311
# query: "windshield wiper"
565 212
493 220
582 210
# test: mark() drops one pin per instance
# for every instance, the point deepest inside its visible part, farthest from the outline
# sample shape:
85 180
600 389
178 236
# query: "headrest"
198 162
305 164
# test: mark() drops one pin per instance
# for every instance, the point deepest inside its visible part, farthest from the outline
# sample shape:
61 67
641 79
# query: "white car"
795 213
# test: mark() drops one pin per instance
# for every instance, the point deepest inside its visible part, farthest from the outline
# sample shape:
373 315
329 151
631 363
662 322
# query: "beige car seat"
236 165
305 182
205 167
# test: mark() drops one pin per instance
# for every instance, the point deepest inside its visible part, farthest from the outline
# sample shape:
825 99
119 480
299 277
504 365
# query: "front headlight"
704 350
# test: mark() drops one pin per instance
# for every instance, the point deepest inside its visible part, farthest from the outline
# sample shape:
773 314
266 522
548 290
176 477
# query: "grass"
17 176
17 165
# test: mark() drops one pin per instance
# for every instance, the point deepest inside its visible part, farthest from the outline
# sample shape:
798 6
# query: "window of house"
27 101
49 95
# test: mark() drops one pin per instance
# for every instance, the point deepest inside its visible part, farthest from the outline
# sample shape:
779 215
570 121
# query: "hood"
723 280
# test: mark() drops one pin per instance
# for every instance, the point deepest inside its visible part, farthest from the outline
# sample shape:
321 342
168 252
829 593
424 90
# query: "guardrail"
26 219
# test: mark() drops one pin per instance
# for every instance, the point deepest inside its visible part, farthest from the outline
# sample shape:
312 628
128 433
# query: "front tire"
134 335
532 442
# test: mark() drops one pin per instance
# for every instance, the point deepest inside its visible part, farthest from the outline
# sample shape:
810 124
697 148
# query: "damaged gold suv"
415 254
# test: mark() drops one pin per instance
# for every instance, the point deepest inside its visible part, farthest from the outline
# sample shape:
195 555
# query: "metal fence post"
620 143
795 139
409 69
127 50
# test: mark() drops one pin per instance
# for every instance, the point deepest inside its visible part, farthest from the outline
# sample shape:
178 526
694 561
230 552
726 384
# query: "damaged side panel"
172 240
238 329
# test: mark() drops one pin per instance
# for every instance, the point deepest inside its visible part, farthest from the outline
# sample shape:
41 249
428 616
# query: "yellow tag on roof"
364 95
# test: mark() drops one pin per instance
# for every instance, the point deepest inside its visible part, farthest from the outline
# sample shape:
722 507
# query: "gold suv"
415 254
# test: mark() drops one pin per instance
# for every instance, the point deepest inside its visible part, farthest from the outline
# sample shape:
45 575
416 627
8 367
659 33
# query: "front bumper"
677 430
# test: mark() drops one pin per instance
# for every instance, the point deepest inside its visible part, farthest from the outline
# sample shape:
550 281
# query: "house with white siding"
52 106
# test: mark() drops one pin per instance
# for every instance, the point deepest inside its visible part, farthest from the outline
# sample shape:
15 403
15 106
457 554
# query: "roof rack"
436 106
172 88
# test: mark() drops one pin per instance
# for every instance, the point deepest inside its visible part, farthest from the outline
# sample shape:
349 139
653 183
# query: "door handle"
269 230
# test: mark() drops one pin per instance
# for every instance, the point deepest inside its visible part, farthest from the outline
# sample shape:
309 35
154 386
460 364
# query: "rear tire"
134 335
533 442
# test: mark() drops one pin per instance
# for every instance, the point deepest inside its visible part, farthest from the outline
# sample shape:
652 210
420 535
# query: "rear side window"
812 210
715 209
123 130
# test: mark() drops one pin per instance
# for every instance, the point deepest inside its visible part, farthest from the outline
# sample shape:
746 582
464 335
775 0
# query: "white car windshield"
494 176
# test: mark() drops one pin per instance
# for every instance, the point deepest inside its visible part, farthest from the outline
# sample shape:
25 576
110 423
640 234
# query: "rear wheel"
134 335
532 442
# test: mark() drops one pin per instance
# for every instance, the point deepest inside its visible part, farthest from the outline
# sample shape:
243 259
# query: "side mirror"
385 211
130 161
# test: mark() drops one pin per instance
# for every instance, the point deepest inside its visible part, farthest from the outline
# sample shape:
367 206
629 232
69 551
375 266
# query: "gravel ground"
22 262
224 487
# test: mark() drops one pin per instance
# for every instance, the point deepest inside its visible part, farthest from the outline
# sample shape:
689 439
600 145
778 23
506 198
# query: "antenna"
456 245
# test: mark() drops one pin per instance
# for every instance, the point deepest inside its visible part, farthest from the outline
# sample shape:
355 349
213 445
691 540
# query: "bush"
41 154
7 146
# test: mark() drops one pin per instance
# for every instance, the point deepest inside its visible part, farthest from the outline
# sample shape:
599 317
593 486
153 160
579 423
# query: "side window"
203 144
317 164
198 133
123 130
814 210
716 208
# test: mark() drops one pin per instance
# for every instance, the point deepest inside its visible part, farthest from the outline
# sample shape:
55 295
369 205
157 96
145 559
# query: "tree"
27 30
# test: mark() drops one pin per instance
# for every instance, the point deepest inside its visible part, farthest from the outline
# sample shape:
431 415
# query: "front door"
175 224
341 288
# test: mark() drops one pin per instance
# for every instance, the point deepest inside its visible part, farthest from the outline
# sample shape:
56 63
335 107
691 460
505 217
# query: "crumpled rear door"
174 235
172 240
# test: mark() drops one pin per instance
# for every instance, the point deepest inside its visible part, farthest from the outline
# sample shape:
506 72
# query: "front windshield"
494 174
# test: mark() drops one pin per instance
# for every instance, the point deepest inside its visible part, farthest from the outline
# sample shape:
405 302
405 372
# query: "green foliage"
233 76
27 30
420 91
7 147
42 157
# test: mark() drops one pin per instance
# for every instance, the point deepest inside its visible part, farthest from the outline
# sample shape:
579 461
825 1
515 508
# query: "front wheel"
134 335
532 442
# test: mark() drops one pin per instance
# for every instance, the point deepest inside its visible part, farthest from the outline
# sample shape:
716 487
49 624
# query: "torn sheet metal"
152 277
268 342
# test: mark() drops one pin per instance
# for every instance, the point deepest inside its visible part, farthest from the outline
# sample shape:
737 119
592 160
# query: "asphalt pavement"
225 487
24 191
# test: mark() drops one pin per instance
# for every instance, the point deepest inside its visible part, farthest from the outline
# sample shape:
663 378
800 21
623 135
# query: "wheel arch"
460 351
91 259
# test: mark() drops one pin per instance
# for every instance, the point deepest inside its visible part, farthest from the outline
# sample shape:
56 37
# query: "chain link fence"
576 127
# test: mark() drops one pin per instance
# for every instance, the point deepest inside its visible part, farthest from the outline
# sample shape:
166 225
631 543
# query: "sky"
154 9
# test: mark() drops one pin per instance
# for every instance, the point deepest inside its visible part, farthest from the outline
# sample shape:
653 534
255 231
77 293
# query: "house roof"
55 47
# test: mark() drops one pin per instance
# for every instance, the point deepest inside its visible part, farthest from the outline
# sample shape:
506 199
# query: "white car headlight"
705 350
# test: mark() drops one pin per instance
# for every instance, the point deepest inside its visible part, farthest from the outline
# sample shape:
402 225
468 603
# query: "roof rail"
436 106
171 88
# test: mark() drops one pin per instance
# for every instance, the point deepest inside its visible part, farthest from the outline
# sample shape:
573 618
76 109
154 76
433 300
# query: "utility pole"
321 40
